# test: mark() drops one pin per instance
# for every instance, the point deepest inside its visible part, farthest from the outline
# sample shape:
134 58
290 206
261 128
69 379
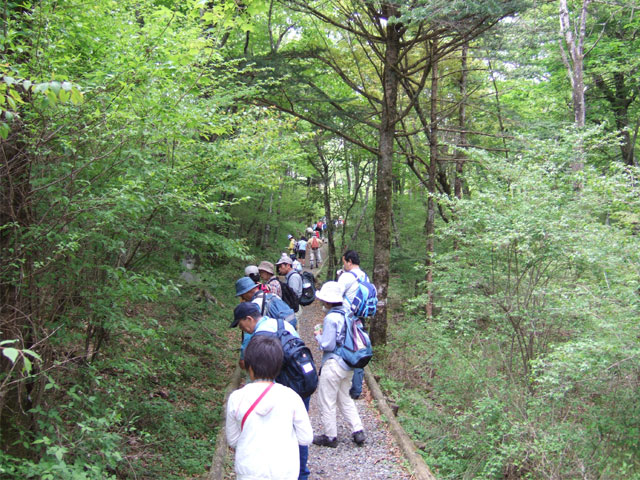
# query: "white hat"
330 293
251 269
284 259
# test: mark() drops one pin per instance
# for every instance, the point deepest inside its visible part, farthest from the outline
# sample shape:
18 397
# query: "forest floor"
379 458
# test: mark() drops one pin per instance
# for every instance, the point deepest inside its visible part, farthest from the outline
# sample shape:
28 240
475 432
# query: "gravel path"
378 458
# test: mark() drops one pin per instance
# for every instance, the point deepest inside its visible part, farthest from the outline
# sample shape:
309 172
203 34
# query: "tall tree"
378 52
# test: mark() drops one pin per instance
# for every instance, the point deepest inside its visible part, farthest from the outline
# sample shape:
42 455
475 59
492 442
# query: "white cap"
251 269
330 293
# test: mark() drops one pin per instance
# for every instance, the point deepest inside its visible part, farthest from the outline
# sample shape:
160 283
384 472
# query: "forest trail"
380 458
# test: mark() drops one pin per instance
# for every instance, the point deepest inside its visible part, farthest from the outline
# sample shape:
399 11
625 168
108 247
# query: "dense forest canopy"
483 157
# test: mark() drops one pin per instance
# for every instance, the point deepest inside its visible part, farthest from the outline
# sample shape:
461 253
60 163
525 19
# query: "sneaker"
358 437
325 441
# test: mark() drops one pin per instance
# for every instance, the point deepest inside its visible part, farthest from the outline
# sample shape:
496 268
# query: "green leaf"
27 364
32 353
11 354
76 96
55 87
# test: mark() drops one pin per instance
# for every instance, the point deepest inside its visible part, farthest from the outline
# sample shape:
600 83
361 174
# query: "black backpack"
298 369
308 289
289 296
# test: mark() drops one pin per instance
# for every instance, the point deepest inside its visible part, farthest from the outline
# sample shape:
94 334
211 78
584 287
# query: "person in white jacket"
266 421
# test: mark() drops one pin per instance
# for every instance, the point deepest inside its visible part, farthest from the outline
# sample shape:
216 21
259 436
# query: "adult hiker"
315 245
269 304
248 318
266 421
335 381
302 250
292 246
292 278
348 282
253 273
268 277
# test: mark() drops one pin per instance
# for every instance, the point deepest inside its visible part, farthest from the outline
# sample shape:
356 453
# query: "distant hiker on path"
315 256
302 250
335 380
292 246
266 422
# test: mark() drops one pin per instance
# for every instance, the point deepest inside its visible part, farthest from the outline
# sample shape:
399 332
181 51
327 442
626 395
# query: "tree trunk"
573 58
462 123
431 183
382 235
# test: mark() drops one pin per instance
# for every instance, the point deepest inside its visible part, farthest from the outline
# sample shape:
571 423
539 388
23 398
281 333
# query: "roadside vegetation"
482 156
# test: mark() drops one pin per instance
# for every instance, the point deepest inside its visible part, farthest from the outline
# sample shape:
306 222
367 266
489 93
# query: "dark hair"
255 277
264 355
352 256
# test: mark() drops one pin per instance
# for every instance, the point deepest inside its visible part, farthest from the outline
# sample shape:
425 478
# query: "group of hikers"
267 421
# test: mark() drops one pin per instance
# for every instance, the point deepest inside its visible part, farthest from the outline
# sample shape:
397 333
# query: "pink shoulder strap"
254 405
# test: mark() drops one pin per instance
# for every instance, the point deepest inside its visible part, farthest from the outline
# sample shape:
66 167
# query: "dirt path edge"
419 468
220 454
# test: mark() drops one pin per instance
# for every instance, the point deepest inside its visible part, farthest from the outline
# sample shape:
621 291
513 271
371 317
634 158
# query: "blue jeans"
304 450
356 383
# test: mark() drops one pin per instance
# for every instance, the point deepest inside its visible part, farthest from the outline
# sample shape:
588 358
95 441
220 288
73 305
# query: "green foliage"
529 365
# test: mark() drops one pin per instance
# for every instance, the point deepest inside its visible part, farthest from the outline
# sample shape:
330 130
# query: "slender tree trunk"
573 58
266 232
382 234
431 182
323 169
276 239
497 95
462 123
363 214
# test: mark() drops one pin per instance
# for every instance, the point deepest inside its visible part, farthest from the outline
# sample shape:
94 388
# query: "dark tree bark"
384 197
431 182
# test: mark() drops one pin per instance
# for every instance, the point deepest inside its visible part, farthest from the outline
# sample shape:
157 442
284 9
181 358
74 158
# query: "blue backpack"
276 308
298 368
355 349
365 301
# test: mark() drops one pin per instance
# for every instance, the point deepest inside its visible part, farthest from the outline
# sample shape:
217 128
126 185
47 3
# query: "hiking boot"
325 441
358 437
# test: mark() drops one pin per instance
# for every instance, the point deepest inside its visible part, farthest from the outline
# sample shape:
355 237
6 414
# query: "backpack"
298 369
289 296
355 349
308 289
314 242
276 307
365 301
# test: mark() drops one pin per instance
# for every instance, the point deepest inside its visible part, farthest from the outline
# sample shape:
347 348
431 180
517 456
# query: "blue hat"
243 285
244 310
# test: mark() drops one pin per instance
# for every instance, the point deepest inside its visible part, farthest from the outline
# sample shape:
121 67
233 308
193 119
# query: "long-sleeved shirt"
267 446
294 280
349 285
332 334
